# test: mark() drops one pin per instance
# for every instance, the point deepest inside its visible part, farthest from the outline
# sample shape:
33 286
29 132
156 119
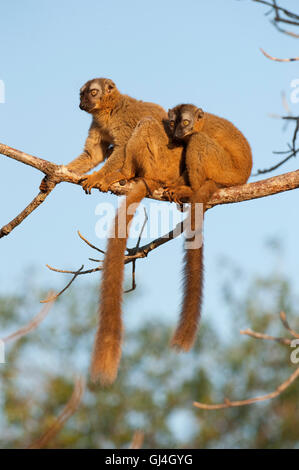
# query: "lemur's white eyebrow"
94 86
187 115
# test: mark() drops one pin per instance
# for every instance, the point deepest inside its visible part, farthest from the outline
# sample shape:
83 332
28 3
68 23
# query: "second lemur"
217 155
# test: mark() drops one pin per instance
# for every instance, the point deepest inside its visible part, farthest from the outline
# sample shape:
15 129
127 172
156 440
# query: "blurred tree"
156 387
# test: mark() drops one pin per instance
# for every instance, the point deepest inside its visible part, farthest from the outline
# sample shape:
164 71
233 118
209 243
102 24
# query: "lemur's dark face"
182 119
92 93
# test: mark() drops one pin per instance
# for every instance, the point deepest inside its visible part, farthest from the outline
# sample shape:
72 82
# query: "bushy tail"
185 333
107 347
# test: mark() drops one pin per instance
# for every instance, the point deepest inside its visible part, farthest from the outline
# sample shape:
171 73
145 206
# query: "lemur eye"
93 92
186 122
171 123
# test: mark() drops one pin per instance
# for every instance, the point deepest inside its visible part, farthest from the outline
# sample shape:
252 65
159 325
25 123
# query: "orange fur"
193 275
107 348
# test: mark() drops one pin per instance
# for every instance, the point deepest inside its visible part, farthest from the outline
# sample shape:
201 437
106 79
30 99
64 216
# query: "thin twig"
132 251
54 297
277 165
285 323
291 152
67 412
276 59
255 334
90 244
34 204
32 325
294 17
284 31
229 404
134 254
137 440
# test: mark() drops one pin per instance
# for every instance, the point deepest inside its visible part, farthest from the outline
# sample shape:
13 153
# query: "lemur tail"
185 333
107 346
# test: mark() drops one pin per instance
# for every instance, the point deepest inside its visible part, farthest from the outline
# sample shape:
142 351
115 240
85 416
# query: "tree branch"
132 255
137 440
292 18
263 188
59 173
69 409
37 201
276 59
230 404
281 388
33 324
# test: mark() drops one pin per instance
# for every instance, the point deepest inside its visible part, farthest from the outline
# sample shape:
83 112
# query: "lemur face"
92 93
182 119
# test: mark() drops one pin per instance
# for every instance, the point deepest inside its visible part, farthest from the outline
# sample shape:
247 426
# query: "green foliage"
156 387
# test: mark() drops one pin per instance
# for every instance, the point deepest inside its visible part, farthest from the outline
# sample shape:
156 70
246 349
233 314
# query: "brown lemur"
114 117
217 155
139 151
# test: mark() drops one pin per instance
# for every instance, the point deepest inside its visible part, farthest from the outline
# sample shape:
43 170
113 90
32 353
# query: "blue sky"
169 52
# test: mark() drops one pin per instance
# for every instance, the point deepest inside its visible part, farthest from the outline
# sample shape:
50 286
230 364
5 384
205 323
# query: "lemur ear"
200 113
109 85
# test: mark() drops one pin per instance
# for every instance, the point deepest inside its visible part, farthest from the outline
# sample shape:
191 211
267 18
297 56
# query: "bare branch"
281 388
54 297
234 194
137 440
32 325
78 272
229 404
291 152
285 323
288 18
90 244
131 257
37 201
67 412
132 251
246 192
56 174
255 334
292 18
44 166
284 31
291 59
277 165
